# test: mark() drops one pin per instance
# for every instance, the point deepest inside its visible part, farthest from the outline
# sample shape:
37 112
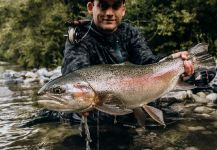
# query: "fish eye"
57 90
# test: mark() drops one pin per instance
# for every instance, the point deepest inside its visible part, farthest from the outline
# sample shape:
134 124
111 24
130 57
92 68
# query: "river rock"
191 148
55 71
30 80
43 79
170 148
31 75
11 74
12 81
178 107
203 109
189 93
3 63
214 87
19 80
201 94
42 72
212 97
140 130
207 132
192 105
212 105
174 96
196 128
204 115
213 83
214 114
5 92
199 99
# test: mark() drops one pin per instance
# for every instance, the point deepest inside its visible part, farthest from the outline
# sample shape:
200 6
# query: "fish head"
68 94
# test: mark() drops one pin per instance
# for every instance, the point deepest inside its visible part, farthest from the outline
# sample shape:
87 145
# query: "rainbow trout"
120 89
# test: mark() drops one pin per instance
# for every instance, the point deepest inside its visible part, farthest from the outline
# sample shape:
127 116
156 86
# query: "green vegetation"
178 24
32 31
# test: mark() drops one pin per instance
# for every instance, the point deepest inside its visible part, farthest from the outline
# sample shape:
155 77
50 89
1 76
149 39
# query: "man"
106 40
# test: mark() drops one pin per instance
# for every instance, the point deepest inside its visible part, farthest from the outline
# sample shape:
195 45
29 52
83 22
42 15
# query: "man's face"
107 14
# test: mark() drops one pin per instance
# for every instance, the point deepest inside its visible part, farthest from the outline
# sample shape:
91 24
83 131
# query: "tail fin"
201 59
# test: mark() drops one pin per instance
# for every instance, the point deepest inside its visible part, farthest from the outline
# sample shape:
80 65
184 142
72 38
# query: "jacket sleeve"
75 56
139 52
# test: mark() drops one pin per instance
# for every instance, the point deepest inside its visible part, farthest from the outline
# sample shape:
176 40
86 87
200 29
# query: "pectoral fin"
140 116
155 114
112 109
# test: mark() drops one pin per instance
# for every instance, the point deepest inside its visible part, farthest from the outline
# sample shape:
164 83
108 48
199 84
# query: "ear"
90 7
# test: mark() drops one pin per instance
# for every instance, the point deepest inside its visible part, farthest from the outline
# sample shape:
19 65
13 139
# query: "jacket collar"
98 33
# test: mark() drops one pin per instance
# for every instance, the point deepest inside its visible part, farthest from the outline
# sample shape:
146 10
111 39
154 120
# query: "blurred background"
32 31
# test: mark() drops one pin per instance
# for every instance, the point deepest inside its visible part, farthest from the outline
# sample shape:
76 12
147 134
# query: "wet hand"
188 65
189 68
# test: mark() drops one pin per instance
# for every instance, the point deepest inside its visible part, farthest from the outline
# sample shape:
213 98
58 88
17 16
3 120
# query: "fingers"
176 55
188 67
184 55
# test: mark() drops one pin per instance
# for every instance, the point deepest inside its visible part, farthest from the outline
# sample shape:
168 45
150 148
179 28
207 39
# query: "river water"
18 107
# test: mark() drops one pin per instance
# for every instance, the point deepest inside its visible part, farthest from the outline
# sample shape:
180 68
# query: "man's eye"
116 6
58 90
104 6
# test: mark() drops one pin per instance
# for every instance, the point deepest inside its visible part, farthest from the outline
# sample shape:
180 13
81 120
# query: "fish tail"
201 59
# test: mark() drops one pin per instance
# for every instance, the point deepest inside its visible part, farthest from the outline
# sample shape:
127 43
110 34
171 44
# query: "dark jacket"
96 47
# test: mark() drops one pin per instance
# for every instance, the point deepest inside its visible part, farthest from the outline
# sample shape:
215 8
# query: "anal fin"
155 114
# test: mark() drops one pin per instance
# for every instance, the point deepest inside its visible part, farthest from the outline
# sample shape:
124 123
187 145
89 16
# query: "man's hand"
188 65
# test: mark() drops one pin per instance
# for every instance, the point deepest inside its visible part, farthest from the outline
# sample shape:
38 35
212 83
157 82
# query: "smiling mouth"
108 20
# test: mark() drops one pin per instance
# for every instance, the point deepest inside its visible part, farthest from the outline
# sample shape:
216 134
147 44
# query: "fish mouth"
56 103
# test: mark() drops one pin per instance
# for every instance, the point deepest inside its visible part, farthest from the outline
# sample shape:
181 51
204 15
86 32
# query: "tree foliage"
31 31
178 24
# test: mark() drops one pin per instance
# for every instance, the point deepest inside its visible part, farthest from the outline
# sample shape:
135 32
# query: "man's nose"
109 11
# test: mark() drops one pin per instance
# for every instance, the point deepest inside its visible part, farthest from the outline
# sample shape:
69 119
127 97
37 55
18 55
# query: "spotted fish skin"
118 89
133 85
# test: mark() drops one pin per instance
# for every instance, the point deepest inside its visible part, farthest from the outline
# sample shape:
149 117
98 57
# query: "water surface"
18 106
